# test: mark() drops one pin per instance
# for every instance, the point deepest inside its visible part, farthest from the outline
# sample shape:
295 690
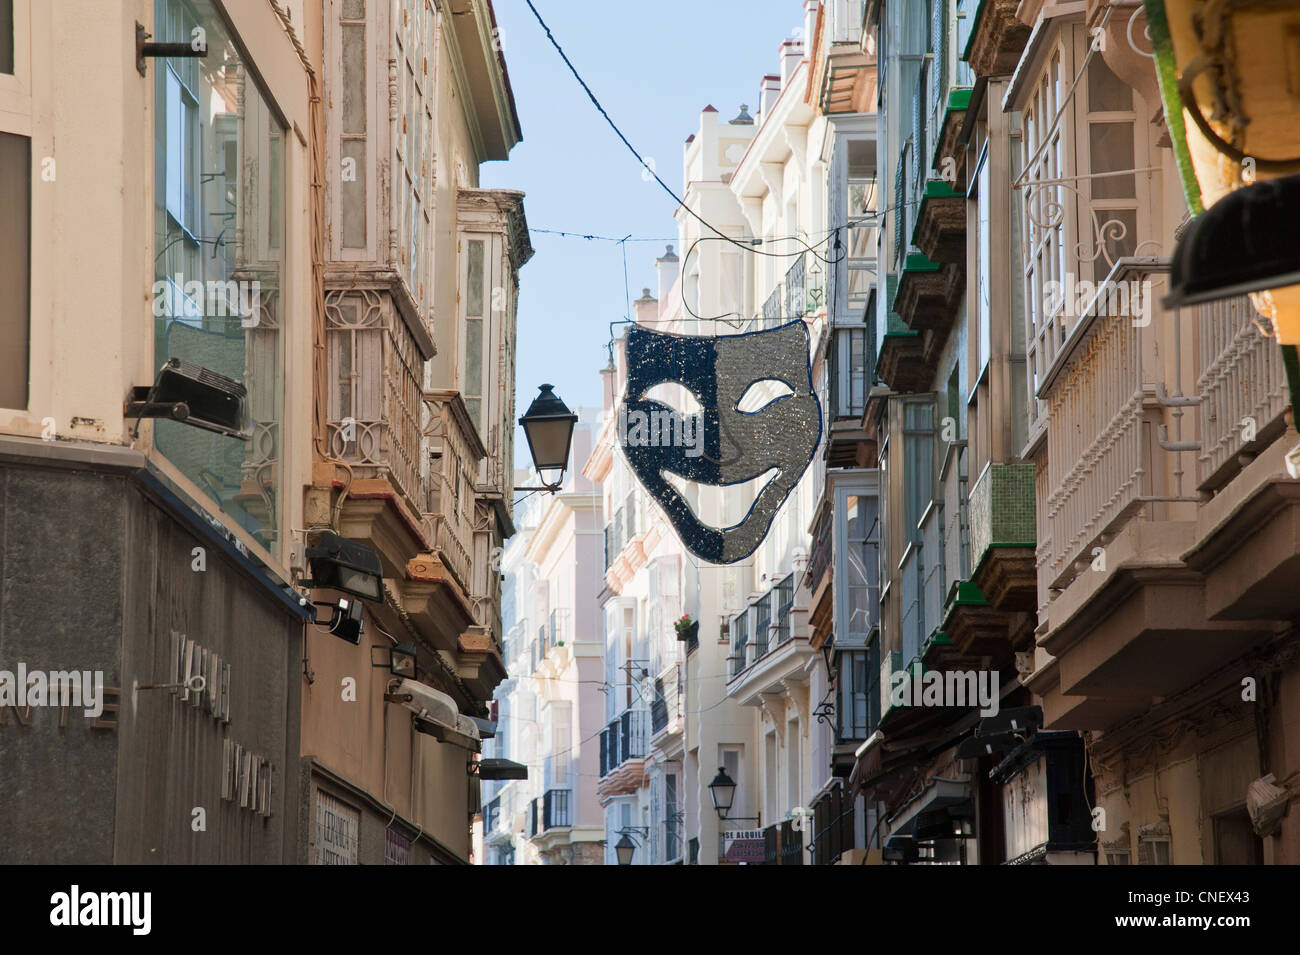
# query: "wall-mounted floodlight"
499 769
400 662
345 565
193 395
345 619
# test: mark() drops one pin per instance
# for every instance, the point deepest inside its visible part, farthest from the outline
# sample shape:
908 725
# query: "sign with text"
743 845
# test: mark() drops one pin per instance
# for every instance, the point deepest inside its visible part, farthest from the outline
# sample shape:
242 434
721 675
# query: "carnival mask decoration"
720 445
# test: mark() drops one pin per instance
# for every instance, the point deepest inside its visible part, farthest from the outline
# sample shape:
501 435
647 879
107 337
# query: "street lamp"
723 791
625 848
548 426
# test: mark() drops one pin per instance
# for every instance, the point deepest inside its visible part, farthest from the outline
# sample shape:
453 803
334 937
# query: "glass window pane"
354 79
474 279
1106 93
1110 148
6 36
217 301
15 258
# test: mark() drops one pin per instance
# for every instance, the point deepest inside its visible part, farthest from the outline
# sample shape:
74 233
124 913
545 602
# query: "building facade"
289 226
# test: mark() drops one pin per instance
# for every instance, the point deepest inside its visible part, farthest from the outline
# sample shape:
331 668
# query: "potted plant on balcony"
687 629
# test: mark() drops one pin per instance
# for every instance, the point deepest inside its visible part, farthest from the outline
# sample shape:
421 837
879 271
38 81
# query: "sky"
654 67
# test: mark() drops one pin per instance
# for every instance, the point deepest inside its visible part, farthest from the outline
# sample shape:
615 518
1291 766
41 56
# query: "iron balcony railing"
666 706
739 642
623 739
556 809
762 624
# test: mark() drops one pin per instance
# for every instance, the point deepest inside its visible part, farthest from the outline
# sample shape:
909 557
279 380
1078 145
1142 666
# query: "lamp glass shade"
722 790
548 426
401 660
625 848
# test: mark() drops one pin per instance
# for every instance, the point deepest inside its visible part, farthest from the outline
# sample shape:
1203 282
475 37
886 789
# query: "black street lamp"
548 426
625 848
723 791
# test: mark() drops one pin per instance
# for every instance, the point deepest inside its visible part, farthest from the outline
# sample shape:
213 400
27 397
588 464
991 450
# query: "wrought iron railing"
556 809
623 739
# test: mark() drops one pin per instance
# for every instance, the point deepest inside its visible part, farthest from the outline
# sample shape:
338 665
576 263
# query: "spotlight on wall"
191 394
345 619
345 565
499 769
401 659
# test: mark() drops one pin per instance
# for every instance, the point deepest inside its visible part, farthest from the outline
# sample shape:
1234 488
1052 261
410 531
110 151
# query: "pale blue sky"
653 66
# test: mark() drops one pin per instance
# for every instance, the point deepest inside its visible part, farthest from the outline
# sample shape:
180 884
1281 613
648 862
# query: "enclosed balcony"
1137 571
623 747
666 708
1002 537
765 649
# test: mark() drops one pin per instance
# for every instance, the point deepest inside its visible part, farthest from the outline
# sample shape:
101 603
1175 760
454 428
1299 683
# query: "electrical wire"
645 164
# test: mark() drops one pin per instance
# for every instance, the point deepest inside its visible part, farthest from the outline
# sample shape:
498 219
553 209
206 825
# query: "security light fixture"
345 619
1245 242
722 790
499 769
345 565
400 662
548 426
191 394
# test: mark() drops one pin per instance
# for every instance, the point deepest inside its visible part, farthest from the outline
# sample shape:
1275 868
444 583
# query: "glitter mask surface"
738 446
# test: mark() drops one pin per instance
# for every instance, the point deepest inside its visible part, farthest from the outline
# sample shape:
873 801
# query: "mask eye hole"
677 397
762 393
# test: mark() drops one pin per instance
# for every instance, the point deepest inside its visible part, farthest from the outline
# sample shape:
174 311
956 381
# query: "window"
672 841
15 265
849 373
219 162
730 759
862 571
739 641
1235 840
7 36
918 463
1083 199
558 733
855 687
984 309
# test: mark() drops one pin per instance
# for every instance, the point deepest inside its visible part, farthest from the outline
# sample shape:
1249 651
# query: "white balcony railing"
1242 383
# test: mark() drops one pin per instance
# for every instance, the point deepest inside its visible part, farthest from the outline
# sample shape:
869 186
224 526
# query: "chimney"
809 22
769 91
667 265
791 54
609 383
645 310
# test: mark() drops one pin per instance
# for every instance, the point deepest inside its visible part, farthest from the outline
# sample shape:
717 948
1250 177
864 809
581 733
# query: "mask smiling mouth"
756 485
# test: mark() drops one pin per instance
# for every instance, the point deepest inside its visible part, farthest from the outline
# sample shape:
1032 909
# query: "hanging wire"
645 164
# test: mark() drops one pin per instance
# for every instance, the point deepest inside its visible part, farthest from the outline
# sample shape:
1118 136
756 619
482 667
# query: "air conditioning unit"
428 703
